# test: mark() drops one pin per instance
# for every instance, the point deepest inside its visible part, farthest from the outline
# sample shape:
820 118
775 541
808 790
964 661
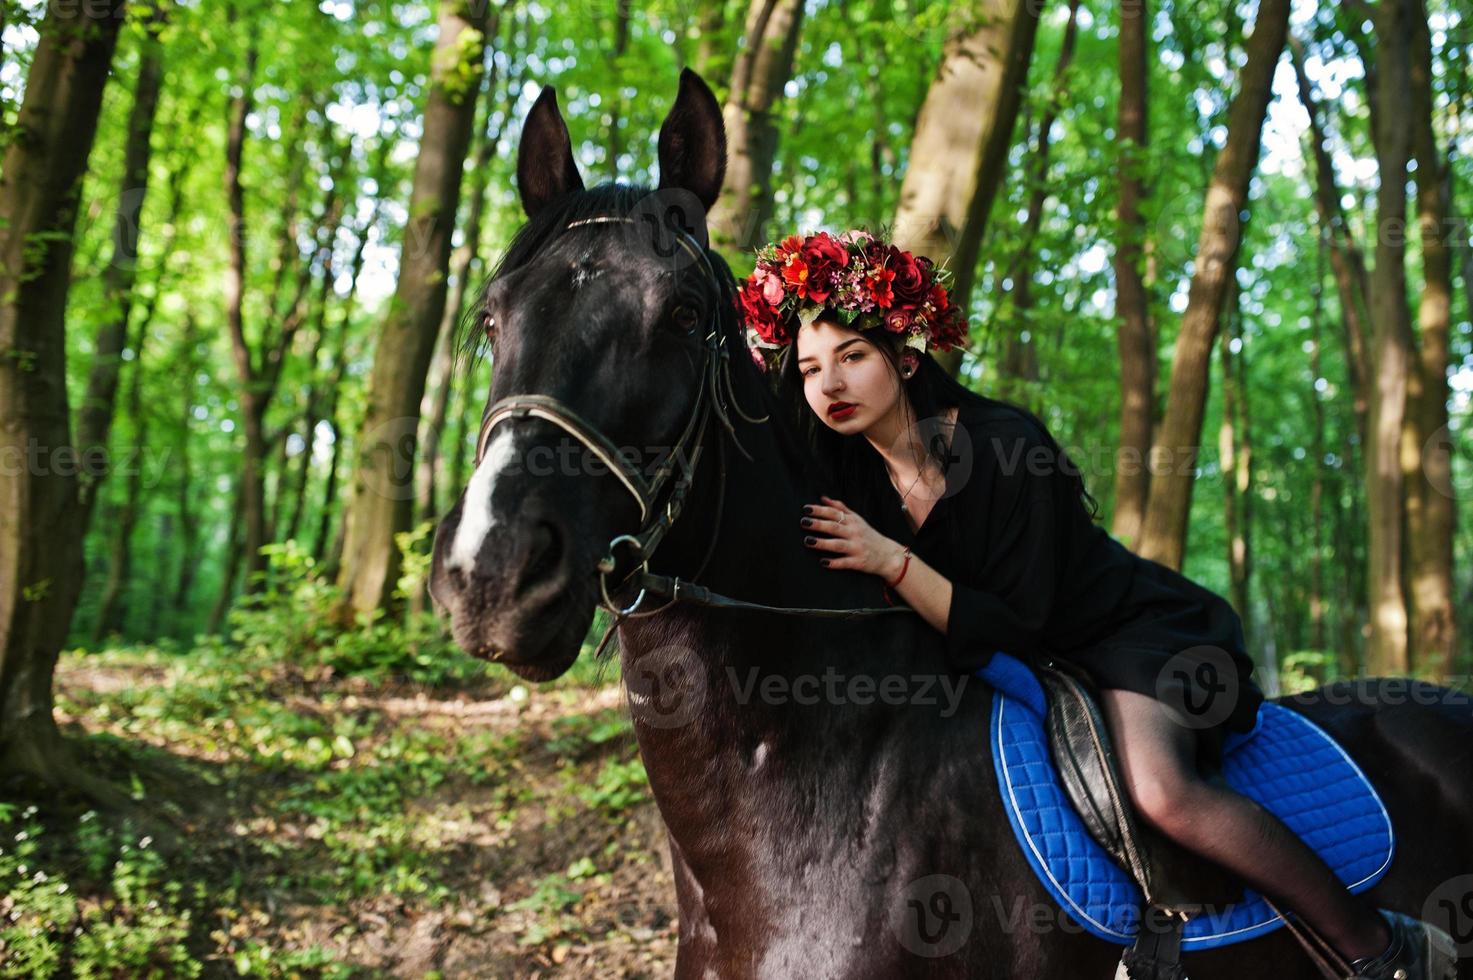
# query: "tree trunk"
1137 339
1346 260
230 567
1391 341
713 56
1018 376
339 361
959 151
436 404
383 486
110 615
320 269
1164 534
95 417
41 561
615 141
1426 451
761 70
1317 638
188 520
252 408
1236 452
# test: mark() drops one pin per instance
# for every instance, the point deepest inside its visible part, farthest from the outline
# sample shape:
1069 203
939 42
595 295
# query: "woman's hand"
852 543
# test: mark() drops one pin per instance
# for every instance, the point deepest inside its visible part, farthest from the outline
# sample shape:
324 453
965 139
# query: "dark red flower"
879 287
823 255
761 315
898 320
911 280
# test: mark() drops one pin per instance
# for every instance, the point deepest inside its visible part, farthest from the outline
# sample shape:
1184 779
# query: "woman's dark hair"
851 464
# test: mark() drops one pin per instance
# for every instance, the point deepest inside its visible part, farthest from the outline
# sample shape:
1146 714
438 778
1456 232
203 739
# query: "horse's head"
601 331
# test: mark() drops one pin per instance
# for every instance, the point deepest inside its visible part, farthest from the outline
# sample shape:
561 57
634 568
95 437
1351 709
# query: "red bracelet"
903 569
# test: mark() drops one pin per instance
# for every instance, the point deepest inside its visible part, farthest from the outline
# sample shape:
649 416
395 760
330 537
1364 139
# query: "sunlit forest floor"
291 822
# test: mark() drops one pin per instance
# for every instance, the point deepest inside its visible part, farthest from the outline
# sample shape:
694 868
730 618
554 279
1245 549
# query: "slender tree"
1391 340
94 418
1346 259
41 563
958 154
1136 338
1427 457
383 488
1018 374
762 68
1164 534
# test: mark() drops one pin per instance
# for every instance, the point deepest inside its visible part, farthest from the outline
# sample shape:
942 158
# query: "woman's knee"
1173 801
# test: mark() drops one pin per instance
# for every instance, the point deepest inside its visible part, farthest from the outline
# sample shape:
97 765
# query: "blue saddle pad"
1287 764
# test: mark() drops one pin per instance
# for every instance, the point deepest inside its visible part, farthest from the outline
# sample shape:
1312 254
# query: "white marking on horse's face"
475 516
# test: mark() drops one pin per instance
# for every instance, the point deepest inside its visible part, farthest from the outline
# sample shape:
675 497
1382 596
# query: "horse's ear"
693 141
545 167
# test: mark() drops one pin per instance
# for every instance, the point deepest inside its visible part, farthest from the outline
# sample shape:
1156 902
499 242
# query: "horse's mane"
752 390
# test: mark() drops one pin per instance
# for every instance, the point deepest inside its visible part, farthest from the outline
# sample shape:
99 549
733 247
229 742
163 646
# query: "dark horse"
817 827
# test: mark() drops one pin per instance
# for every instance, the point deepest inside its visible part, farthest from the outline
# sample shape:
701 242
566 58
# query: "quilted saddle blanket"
1287 763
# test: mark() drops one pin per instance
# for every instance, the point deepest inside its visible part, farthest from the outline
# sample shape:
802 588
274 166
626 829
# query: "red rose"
823 255
910 278
761 315
899 319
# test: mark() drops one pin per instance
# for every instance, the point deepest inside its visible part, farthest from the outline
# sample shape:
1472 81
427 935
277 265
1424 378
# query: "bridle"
655 521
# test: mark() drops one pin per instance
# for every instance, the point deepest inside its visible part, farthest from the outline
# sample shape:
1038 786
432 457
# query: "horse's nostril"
545 555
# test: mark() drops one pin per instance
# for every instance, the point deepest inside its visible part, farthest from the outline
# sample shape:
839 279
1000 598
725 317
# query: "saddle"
1121 879
1177 884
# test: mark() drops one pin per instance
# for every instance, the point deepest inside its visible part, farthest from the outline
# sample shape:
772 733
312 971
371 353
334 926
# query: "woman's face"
840 367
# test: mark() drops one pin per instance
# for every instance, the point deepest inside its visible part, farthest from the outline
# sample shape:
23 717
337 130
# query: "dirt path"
503 833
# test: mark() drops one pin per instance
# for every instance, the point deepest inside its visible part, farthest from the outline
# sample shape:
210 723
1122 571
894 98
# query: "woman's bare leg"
1158 758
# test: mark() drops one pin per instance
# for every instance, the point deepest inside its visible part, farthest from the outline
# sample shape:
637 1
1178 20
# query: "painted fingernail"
806 522
824 562
807 509
809 540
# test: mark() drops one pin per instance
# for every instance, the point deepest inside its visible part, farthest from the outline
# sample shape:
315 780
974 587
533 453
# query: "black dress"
1033 574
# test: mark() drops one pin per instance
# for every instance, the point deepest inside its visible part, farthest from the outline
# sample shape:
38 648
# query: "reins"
655 521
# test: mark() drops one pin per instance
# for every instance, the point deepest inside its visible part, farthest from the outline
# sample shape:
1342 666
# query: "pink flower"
771 285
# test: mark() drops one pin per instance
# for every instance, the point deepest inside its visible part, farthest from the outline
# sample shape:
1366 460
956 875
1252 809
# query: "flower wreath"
865 281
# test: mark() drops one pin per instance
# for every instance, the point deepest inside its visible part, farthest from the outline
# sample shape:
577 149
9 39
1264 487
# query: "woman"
973 515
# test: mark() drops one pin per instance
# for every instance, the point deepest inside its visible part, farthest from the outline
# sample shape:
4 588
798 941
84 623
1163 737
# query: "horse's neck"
696 675
758 553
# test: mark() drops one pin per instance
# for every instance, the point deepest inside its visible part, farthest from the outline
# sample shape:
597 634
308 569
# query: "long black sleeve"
1009 604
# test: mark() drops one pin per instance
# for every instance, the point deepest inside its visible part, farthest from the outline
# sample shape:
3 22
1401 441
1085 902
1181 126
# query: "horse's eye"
488 325
686 317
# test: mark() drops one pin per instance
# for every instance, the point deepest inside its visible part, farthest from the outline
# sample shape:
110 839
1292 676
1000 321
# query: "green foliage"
46 930
620 786
549 907
295 615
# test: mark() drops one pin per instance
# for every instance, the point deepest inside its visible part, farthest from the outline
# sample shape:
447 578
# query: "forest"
1222 249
